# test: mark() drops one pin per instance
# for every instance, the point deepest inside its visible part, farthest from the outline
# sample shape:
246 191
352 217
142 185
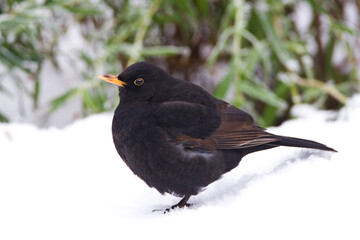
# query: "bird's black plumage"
177 137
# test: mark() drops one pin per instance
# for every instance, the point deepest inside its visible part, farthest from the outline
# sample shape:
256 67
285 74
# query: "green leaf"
36 93
329 56
10 58
203 6
260 93
221 89
3 118
277 45
221 44
165 51
64 98
252 60
343 28
90 102
83 11
316 6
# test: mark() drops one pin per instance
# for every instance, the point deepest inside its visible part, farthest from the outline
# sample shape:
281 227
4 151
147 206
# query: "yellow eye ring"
139 81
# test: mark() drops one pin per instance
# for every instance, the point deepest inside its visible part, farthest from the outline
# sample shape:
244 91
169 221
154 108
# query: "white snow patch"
351 14
340 54
302 16
293 65
71 184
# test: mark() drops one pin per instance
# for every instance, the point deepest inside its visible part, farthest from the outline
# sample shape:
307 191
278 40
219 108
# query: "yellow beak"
112 79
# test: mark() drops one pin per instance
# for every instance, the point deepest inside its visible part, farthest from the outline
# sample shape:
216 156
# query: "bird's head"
138 82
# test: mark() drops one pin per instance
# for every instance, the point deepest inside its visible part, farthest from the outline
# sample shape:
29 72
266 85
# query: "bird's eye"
139 81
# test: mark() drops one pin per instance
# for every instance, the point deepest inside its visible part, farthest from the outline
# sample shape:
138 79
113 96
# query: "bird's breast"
137 139
148 151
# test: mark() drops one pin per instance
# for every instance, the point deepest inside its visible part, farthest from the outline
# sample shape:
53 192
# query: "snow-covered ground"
71 184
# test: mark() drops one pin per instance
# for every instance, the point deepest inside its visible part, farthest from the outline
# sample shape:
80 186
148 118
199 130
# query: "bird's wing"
204 128
189 119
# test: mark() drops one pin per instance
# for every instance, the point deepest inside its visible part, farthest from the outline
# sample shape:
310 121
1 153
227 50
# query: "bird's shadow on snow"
303 155
230 189
227 189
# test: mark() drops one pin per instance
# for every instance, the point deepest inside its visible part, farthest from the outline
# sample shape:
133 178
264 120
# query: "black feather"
298 142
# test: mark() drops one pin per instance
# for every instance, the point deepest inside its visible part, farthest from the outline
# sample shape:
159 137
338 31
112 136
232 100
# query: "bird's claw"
173 207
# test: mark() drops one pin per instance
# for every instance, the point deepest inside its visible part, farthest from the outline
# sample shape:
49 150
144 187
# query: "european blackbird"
177 137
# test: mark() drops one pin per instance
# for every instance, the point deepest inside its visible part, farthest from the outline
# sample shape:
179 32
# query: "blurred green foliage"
270 62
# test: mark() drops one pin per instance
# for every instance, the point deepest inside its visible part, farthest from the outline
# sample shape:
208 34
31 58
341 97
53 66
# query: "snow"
303 16
71 184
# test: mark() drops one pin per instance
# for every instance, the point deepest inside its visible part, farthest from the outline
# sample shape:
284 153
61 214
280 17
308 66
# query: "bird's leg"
183 203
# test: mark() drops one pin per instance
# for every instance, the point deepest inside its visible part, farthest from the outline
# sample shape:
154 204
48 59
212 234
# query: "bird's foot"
182 204
186 205
177 206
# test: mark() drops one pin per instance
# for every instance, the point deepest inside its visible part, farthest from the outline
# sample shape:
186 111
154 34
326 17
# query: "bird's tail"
298 142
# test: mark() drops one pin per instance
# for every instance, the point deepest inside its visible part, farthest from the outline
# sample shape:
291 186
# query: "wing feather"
237 130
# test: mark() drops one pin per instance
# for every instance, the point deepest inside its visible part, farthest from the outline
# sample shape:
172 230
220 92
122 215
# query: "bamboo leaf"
62 99
316 6
165 51
276 44
203 7
3 118
343 28
221 89
262 94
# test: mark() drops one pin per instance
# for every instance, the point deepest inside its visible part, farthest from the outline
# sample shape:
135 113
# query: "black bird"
177 137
